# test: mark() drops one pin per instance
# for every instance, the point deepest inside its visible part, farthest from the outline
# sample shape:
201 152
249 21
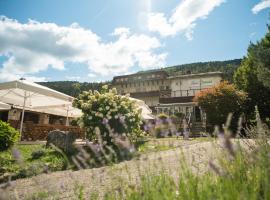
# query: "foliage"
227 67
8 136
248 78
37 154
163 126
163 116
110 113
29 160
261 56
219 101
241 171
73 88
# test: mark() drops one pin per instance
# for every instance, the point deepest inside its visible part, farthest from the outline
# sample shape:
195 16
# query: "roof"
37 98
141 73
199 74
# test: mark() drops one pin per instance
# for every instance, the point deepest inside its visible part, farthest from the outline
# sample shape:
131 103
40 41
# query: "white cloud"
92 75
261 6
34 47
183 18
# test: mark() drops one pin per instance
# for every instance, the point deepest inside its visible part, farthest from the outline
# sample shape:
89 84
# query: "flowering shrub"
8 136
219 101
110 113
163 126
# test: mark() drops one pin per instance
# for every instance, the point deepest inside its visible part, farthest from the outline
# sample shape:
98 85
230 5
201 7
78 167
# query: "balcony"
179 96
145 94
184 99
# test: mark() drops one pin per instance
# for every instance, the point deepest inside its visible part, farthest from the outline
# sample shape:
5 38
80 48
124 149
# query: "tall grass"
240 170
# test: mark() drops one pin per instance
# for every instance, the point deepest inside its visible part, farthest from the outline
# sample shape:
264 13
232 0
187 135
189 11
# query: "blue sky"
95 40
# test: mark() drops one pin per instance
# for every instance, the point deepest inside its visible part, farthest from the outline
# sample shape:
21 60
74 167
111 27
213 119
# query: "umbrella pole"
67 122
22 118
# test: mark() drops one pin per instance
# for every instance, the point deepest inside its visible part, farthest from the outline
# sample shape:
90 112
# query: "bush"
8 136
164 126
37 154
112 114
219 101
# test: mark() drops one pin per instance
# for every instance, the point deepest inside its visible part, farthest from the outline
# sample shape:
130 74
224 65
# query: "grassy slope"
19 162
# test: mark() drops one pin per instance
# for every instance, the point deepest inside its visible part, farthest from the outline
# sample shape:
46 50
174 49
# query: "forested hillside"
227 67
74 88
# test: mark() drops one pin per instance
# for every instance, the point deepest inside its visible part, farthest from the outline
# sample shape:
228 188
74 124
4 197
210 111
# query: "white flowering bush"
112 114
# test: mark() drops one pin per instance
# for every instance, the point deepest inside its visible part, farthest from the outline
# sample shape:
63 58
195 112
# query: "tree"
253 78
112 114
219 101
261 52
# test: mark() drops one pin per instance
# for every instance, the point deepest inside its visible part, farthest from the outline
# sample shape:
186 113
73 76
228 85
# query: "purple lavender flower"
105 121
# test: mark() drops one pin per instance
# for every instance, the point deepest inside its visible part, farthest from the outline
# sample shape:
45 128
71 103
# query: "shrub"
219 101
112 114
8 136
164 126
37 154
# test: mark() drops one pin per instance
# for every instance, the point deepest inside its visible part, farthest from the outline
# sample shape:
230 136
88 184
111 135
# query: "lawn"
28 160
163 144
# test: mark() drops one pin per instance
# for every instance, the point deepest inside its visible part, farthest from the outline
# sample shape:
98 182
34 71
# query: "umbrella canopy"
34 97
38 98
4 106
146 111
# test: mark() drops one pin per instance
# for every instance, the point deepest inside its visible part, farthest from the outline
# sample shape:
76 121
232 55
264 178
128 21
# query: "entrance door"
198 114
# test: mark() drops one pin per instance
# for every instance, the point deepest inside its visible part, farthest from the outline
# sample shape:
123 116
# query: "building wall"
162 86
142 86
151 101
14 114
189 86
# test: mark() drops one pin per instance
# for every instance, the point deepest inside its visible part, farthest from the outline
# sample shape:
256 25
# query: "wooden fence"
33 132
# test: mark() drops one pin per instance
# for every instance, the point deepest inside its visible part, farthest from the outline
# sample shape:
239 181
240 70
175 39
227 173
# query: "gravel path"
66 184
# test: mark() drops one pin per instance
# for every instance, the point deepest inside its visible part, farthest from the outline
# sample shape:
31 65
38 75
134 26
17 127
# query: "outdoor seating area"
36 110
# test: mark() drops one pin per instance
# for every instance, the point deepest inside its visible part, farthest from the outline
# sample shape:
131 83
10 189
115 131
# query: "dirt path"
67 184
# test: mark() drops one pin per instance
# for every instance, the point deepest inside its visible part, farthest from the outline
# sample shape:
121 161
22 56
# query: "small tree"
8 136
219 101
112 114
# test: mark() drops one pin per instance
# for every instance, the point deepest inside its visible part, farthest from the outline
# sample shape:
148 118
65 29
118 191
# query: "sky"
94 40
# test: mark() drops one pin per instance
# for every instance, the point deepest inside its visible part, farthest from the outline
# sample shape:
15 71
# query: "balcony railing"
185 93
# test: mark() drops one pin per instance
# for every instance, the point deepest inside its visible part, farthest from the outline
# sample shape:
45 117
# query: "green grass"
238 175
163 144
24 165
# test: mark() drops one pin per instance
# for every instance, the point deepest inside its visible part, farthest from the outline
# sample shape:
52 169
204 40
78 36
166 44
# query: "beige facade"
189 85
164 93
147 86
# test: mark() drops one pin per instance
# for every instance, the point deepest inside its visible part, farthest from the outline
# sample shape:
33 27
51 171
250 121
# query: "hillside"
228 67
72 88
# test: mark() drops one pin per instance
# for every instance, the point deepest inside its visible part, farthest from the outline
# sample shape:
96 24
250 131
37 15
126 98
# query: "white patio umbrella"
4 106
146 111
34 97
